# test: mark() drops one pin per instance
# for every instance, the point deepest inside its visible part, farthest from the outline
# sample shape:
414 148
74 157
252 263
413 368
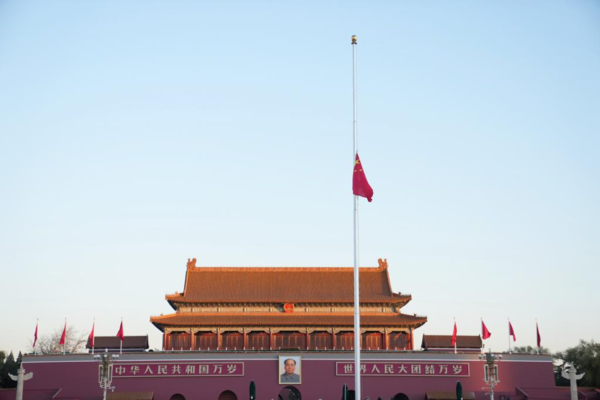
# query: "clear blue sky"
136 134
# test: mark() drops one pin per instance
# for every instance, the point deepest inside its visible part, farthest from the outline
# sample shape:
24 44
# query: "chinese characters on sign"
143 370
404 369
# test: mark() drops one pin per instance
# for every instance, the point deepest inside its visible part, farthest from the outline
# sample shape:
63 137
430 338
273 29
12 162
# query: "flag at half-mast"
121 333
63 337
91 338
511 331
485 333
454 332
360 185
35 335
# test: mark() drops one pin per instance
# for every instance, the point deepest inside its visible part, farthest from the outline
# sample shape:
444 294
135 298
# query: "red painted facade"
206 375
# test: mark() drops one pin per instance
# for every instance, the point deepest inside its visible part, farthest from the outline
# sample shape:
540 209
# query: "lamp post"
490 371
105 370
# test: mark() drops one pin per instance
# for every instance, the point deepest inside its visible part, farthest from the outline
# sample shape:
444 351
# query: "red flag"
91 338
485 334
539 338
121 334
454 335
511 332
35 335
63 338
360 185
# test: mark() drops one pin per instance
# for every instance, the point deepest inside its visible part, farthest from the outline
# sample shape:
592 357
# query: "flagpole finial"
353 39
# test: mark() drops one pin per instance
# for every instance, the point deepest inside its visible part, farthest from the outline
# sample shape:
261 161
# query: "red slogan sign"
128 370
404 369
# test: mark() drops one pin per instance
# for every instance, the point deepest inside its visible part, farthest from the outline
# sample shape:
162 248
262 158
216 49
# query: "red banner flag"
91 338
485 334
539 338
511 332
454 335
35 335
121 334
360 185
63 337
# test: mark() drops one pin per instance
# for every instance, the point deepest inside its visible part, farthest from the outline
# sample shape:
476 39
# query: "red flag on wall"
539 338
511 331
360 185
454 335
63 338
485 334
91 338
35 335
121 334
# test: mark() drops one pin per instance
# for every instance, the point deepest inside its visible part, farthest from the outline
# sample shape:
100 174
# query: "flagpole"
537 336
93 334
482 344
65 337
122 338
456 339
509 349
357 392
37 323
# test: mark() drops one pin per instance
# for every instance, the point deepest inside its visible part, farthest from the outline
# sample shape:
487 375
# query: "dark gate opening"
289 393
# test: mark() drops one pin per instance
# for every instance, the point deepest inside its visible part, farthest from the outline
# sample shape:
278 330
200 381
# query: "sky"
135 135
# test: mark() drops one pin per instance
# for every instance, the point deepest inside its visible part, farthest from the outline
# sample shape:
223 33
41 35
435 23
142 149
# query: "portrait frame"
297 370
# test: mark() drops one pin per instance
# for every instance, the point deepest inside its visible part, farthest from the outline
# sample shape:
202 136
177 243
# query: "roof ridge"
282 268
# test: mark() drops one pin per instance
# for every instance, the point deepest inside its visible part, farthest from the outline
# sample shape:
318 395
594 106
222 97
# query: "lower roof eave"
162 326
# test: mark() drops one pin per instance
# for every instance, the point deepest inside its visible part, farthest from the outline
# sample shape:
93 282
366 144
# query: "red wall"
77 375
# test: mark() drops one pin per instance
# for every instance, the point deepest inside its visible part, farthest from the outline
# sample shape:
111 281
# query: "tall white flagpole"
357 335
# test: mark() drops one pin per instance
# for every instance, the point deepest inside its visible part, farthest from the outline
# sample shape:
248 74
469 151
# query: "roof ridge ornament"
382 263
191 263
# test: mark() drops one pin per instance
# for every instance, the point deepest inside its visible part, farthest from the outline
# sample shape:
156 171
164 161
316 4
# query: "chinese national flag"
454 335
91 339
539 338
511 332
360 185
63 338
485 334
35 336
121 334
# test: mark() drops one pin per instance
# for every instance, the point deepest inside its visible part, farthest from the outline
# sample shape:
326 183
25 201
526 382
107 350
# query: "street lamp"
490 371
105 370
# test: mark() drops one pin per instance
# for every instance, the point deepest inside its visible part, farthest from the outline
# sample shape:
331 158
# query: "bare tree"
49 344
530 350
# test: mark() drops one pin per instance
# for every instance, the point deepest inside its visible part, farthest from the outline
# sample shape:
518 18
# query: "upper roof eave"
285 284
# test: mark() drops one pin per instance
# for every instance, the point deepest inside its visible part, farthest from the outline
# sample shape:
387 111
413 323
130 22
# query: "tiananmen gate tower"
308 309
